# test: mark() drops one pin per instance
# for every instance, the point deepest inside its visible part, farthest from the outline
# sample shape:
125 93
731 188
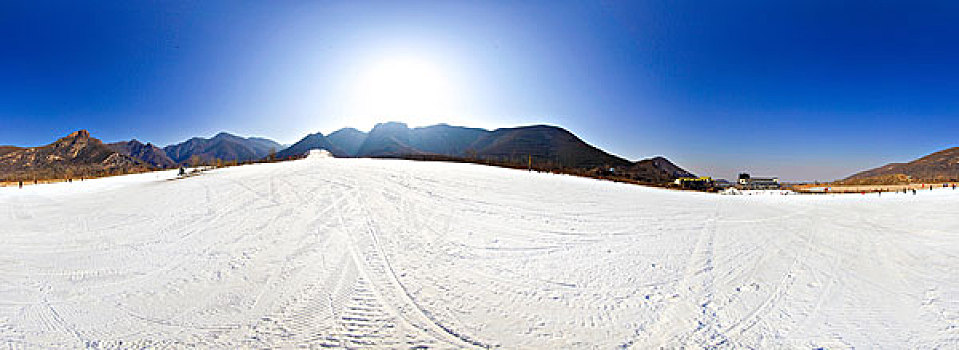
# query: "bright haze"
804 90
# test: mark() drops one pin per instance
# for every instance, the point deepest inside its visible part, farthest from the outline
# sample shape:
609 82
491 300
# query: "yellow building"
694 182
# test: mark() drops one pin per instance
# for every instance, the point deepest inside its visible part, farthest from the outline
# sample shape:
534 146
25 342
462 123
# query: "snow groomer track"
359 253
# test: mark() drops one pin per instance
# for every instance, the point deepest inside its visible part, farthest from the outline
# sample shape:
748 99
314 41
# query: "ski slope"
363 253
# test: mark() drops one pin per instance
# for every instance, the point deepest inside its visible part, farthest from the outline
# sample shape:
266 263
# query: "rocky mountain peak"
79 134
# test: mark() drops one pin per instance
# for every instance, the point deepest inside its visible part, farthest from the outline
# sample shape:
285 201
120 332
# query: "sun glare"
404 89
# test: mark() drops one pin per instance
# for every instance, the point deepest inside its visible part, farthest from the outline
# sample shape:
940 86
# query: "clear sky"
804 90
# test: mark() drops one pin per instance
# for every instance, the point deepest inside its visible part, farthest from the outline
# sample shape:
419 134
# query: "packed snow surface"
318 154
397 254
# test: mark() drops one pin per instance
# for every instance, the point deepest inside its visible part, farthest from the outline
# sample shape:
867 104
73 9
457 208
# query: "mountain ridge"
147 153
223 146
546 146
310 142
77 154
941 165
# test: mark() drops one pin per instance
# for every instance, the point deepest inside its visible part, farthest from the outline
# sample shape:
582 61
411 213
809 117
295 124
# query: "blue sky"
804 90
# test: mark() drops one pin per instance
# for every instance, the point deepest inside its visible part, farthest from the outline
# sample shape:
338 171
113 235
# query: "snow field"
362 253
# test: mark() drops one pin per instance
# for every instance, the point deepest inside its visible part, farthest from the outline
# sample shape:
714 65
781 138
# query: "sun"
409 89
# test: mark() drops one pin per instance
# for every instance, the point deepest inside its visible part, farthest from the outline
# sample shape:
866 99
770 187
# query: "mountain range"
939 166
147 153
311 141
548 147
223 146
75 155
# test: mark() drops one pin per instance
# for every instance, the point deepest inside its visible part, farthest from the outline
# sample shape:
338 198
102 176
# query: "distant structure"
747 182
722 184
694 183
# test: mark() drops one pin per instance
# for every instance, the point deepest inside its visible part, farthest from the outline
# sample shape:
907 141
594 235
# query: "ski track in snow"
359 253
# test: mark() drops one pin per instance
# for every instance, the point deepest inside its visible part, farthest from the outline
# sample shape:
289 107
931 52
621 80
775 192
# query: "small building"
722 184
747 182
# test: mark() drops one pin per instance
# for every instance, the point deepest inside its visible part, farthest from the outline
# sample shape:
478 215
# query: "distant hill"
657 169
348 140
939 166
310 142
75 155
147 153
223 146
544 143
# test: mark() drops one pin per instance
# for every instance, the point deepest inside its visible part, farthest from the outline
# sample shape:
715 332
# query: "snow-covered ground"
388 253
